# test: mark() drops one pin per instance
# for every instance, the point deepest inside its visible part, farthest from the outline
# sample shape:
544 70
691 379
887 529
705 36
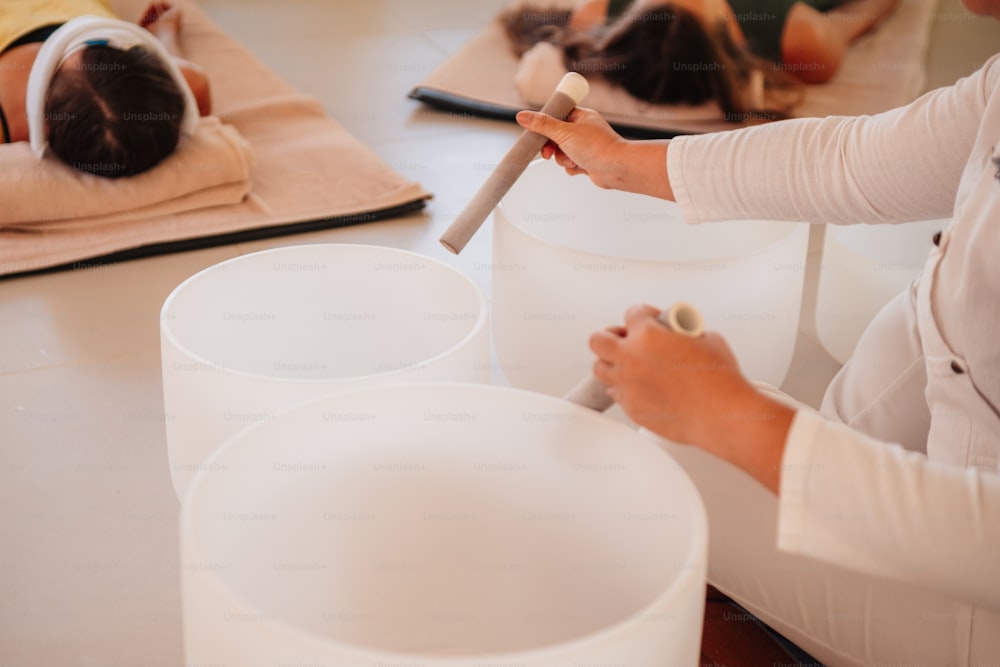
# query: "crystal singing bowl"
259 333
864 267
570 258
442 524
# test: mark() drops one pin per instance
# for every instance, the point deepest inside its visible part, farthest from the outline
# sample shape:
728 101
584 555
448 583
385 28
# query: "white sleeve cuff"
797 464
675 174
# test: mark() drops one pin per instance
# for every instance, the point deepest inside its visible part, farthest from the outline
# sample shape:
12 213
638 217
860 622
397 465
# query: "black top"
36 35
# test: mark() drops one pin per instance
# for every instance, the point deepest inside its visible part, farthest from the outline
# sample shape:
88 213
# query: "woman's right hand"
586 144
583 144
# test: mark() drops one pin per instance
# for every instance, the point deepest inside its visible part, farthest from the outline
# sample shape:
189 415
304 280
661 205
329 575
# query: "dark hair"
663 55
118 113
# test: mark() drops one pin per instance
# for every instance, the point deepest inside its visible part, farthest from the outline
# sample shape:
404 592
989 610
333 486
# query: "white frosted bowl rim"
608 633
481 320
511 220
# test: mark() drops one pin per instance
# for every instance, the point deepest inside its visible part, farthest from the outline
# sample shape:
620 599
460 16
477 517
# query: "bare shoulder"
15 68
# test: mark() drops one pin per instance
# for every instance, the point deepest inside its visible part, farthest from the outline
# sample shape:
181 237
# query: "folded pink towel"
211 167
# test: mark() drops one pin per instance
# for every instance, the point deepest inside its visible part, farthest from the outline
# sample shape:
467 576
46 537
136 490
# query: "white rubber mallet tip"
573 85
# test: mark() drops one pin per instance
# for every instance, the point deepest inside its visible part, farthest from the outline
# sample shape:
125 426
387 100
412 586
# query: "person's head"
678 52
113 112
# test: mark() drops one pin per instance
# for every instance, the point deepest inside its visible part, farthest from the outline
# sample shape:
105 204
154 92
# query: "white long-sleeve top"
934 520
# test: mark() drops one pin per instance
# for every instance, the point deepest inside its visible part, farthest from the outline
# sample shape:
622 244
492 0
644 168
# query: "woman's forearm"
751 435
901 165
642 168
586 144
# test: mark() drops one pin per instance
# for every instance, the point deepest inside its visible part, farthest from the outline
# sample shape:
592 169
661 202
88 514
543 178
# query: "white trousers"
842 617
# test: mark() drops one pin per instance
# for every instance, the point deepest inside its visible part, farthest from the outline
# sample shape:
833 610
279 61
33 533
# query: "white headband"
93 30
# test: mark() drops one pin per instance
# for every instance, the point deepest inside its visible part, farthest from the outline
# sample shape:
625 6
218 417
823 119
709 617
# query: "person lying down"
105 96
749 56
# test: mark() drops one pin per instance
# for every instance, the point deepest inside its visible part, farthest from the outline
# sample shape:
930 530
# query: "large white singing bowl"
251 336
442 524
570 258
863 268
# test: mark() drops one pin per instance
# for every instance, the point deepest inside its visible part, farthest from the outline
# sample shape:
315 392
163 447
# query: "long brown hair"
118 113
664 55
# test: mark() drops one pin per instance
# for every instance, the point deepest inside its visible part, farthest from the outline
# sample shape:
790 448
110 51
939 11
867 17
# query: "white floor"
88 547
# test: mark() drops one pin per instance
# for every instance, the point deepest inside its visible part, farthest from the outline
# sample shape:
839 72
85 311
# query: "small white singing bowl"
864 267
439 524
569 258
257 334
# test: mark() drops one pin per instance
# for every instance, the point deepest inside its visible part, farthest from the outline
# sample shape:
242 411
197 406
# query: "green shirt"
762 21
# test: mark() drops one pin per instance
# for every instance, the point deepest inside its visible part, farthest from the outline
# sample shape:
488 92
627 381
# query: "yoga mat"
883 69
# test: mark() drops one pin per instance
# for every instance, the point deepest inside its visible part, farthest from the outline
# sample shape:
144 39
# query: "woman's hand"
161 17
690 390
585 144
